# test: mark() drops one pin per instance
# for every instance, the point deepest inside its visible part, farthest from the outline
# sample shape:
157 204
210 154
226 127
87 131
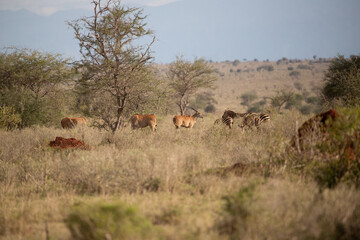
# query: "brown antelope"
71 122
186 121
141 121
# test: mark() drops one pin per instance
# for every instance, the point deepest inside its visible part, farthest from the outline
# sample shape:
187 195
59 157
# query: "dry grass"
170 177
178 178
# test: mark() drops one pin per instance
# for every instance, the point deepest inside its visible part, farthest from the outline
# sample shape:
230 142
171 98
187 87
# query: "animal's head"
197 113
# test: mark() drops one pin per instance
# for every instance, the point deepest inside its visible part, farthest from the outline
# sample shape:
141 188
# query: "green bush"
32 83
236 62
235 213
109 220
294 74
342 80
342 152
168 216
303 66
265 67
257 107
9 119
35 111
295 101
203 101
306 109
210 108
248 98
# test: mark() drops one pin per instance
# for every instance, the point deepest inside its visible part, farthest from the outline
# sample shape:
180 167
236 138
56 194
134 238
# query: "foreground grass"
177 180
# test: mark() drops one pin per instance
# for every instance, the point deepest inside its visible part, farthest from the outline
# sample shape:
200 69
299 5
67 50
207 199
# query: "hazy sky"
48 7
213 29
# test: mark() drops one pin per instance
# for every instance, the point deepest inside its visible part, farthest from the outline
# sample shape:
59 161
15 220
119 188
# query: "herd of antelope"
141 121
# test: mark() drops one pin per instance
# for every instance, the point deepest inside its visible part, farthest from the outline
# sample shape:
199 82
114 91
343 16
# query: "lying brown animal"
141 121
71 122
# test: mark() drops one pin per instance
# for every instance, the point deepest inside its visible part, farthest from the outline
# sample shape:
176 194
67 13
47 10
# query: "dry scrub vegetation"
175 184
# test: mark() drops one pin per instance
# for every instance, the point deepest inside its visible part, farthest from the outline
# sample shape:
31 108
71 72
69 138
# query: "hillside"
265 79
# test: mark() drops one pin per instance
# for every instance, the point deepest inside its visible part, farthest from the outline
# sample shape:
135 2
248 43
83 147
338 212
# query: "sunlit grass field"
173 184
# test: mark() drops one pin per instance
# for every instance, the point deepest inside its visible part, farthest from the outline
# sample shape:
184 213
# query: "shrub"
210 108
236 62
257 107
109 220
312 100
303 66
9 119
306 109
235 213
32 83
152 184
265 67
169 216
294 74
342 151
342 80
298 85
203 100
294 101
248 98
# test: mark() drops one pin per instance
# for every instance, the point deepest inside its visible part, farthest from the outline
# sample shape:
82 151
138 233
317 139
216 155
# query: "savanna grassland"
209 182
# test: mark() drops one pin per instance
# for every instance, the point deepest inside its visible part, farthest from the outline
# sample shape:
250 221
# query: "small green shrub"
236 62
312 100
9 119
303 66
257 107
152 184
235 213
294 74
306 109
210 108
294 101
298 85
268 68
342 150
248 98
168 216
342 80
109 220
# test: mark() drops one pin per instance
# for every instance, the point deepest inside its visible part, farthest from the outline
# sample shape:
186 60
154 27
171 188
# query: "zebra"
254 119
229 116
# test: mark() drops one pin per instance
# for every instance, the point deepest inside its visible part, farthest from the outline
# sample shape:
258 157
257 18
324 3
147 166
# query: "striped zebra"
254 119
229 116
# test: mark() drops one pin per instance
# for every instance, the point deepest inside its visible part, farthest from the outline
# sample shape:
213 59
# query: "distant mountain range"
213 29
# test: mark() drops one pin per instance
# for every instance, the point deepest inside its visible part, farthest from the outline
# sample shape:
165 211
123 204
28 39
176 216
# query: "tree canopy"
30 84
186 78
115 71
342 80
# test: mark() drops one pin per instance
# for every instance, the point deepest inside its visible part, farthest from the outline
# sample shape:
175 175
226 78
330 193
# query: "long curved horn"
194 109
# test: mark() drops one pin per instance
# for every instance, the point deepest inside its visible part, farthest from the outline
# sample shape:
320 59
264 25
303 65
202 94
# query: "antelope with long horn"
186 121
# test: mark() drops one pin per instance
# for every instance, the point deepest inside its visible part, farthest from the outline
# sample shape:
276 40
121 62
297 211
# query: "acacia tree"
114 66
187 78
342 80
281 98
31 84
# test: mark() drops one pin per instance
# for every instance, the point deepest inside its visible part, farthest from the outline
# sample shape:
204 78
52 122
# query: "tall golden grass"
177 179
